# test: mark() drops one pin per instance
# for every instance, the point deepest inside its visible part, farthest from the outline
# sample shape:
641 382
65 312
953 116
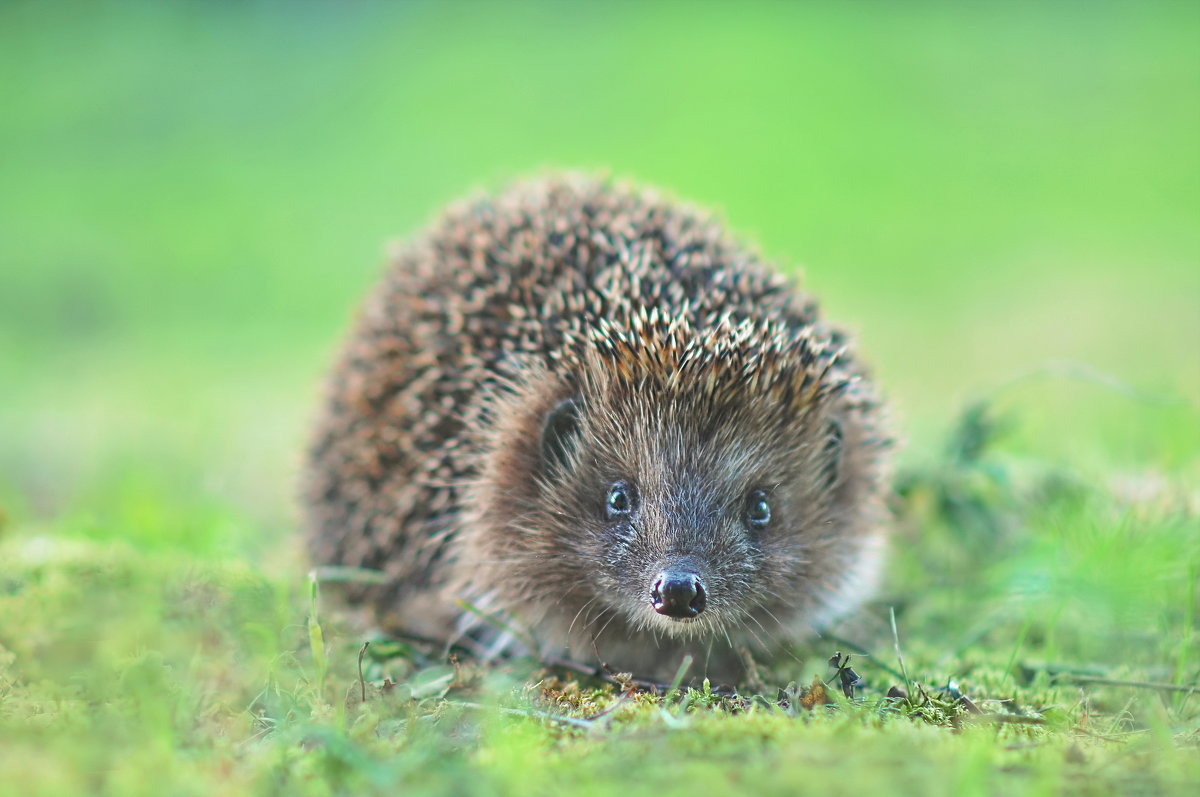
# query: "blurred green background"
1003 200
193 197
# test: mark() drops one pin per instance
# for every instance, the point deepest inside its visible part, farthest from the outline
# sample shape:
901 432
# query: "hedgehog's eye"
620 501
758 510
831 455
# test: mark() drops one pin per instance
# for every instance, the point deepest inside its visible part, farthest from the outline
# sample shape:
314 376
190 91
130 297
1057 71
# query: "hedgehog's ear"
559 433
832 444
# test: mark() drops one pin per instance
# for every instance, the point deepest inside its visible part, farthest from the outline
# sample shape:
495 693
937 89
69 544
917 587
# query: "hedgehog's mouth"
678 627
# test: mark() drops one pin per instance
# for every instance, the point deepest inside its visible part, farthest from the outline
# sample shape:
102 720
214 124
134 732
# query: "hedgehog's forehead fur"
728 363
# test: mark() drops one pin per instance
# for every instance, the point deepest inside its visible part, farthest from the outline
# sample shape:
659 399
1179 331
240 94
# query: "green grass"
1003 202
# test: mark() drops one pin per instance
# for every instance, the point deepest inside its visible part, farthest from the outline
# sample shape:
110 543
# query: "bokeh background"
194 196
1002 200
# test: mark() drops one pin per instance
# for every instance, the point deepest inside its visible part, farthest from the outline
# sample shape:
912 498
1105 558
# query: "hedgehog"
577 420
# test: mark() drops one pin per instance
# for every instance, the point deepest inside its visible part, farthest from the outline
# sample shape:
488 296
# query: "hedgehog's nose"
678 594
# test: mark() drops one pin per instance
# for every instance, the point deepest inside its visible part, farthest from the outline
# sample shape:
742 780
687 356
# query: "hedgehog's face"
695 518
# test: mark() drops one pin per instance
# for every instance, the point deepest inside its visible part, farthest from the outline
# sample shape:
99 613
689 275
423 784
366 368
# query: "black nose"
677 594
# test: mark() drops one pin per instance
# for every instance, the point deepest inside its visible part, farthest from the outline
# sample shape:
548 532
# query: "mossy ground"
1003 203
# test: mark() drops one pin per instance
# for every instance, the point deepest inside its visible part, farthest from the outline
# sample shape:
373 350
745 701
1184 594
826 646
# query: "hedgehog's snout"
679 594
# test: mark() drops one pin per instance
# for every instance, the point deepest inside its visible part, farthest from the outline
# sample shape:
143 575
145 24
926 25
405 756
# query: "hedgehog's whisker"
600 633
575 619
